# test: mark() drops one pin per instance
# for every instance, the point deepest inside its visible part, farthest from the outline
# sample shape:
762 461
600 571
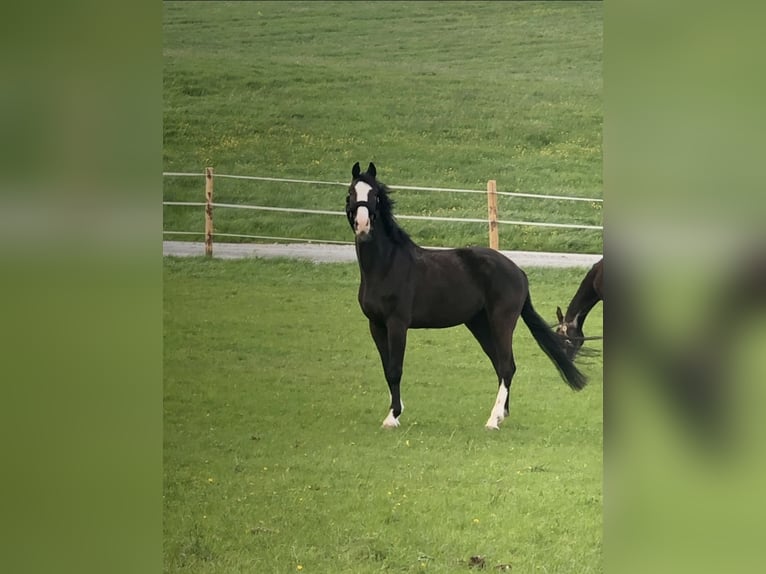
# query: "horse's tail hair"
551 344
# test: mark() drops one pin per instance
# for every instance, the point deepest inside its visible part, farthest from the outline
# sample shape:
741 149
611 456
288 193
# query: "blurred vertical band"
685 239
80 229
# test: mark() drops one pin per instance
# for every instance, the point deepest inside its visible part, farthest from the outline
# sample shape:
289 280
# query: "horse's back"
491 265
471 277
478 263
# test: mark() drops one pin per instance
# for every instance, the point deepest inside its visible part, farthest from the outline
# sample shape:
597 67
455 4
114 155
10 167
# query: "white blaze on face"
362 213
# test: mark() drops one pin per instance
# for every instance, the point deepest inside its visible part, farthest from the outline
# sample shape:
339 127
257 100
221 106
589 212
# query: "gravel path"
329 253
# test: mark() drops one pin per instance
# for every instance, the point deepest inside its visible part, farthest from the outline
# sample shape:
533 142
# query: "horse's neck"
375 256
583 301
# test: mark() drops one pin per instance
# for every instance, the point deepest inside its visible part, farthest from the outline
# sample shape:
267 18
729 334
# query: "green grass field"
274 459
445 94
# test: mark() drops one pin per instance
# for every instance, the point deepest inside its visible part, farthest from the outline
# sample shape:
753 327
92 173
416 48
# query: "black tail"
551 344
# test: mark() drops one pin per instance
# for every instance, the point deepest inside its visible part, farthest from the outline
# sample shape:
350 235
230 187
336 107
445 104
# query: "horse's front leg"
391 341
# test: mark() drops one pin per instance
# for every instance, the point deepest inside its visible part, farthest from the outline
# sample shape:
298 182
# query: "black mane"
385 211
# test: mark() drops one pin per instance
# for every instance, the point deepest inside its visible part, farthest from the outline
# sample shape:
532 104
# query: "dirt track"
329 253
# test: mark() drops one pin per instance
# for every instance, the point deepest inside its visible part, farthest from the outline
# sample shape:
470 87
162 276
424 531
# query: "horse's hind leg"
502 336
502 361
479 327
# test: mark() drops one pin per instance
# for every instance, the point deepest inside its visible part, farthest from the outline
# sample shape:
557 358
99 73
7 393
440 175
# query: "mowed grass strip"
274 459
444 94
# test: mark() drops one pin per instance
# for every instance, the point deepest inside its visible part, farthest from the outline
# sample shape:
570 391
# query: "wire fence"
491 192
402 187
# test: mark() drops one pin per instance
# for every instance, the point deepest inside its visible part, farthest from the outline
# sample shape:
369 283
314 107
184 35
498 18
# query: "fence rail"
491 192
402 187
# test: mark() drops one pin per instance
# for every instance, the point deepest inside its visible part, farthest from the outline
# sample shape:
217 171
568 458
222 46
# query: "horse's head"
570 333
362 201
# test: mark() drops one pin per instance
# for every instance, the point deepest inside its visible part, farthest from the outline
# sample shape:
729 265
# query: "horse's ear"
356 170
559 315
371 169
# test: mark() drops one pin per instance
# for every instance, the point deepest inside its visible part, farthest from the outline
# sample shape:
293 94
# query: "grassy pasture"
445 94
274 460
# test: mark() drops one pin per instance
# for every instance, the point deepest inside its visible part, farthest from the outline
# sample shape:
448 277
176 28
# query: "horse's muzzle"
362 222
363 234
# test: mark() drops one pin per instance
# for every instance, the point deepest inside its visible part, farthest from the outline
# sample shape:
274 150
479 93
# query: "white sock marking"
498 411
390 421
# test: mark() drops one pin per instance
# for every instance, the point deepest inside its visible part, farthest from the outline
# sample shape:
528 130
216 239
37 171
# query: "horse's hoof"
390 422
494 422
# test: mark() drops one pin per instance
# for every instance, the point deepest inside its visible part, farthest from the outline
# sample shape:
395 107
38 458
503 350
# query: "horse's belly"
440 312
432 323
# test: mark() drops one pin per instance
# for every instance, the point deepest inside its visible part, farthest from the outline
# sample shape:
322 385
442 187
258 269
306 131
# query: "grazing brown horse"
590 292
404 286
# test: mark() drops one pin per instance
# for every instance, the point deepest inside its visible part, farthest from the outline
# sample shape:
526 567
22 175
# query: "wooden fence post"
494 239
209 211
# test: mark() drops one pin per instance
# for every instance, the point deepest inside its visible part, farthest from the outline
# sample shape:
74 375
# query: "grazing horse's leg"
391 341
502 335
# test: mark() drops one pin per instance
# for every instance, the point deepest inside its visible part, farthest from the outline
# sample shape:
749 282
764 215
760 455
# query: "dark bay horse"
590 292
404 286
